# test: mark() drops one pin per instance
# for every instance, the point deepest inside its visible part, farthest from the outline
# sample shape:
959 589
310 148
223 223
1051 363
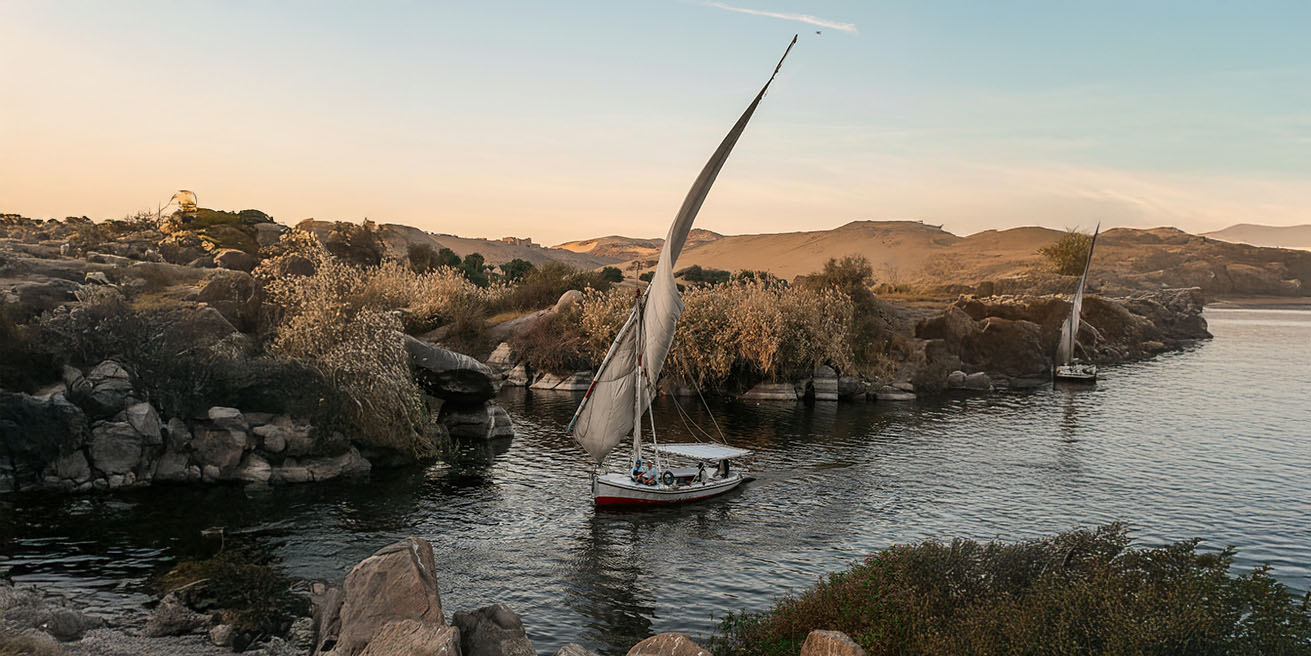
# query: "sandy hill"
1262 235
634 248
913 253
399 237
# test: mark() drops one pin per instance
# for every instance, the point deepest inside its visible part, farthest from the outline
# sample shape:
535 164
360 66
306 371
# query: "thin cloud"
800 18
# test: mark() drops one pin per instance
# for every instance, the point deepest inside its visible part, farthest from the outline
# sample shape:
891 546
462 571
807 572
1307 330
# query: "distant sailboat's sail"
606 416
1070 329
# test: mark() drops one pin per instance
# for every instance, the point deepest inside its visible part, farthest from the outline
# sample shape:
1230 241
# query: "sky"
569 120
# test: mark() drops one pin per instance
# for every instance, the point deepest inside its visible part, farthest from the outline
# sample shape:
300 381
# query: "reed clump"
1079 592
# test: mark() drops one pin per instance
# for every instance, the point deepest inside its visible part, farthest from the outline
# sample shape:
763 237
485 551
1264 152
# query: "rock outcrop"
1012 338
668 644
398 582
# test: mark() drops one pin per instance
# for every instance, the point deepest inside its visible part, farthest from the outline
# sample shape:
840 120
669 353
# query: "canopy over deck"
703 451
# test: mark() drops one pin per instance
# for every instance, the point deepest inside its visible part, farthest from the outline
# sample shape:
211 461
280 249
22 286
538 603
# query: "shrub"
341 321
646 277
696 274
555 344
359 244
1069 253
247 591
543 286
612 274
515 270
25 362
1084 592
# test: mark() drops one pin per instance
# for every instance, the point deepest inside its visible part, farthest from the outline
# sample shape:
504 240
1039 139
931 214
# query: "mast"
615 401
637 383
1070 329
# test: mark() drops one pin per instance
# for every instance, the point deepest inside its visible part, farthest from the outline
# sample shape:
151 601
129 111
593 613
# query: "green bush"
1080 592
543 286
248 592
699 275
1069 253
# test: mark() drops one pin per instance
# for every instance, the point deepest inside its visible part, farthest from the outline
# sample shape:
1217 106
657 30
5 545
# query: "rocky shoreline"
389 604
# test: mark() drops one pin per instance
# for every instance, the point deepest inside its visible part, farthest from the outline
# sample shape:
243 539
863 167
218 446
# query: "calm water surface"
1212 442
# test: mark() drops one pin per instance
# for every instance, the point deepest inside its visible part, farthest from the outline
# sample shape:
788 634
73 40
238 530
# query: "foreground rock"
398 582
492 631
668 644
415 638
450 376
830 643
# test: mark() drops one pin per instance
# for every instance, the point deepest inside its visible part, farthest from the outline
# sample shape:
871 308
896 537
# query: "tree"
612 274
1069 253
475 269
422 257
696 274
515 270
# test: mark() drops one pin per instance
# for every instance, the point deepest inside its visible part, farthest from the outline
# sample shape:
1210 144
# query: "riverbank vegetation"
1079 592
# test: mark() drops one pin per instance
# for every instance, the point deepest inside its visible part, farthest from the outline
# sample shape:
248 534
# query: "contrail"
801 18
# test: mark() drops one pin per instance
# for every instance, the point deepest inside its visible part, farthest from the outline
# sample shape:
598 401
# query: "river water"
1211 442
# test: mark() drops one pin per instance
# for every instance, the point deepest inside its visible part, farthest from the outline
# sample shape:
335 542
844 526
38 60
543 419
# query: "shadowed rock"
450 376
492 631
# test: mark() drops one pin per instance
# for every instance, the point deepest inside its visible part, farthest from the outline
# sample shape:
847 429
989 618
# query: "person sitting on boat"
637 470
648 474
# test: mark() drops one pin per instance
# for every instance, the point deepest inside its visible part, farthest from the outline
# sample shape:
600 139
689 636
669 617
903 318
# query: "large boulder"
668 644
116 447
36 433
481 422
830 643
415 638
236 260
111 385
450 376
398 582
568 300
235 295
145 421
218 447
492 631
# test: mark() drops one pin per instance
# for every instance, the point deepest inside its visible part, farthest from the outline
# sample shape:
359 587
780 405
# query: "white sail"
606 414
1070 329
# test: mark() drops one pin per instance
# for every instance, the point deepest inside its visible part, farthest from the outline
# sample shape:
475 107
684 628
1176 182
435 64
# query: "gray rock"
73 467
482 422
830 643
173 617
519 376
325 616
890 393
116 447
978 381
851 388
574 649
253 469
143 418
301 634
348 464
218 448
228 419
268 234
503 357
172 467
231 258
667 644
221 635
451 376
771 392
273 437
177 433
398 582
825 387
414 638
546 381
110 387
492 631
34 434
956 379
568 300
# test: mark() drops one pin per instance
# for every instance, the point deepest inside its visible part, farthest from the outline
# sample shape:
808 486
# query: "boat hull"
618 490
1076 373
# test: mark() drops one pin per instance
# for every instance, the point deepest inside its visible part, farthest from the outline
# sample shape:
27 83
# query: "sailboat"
614 405
1068 367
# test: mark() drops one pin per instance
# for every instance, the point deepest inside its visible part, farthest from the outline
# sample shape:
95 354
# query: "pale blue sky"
573 119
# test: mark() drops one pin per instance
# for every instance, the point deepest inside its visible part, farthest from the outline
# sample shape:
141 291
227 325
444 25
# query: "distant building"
519 241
